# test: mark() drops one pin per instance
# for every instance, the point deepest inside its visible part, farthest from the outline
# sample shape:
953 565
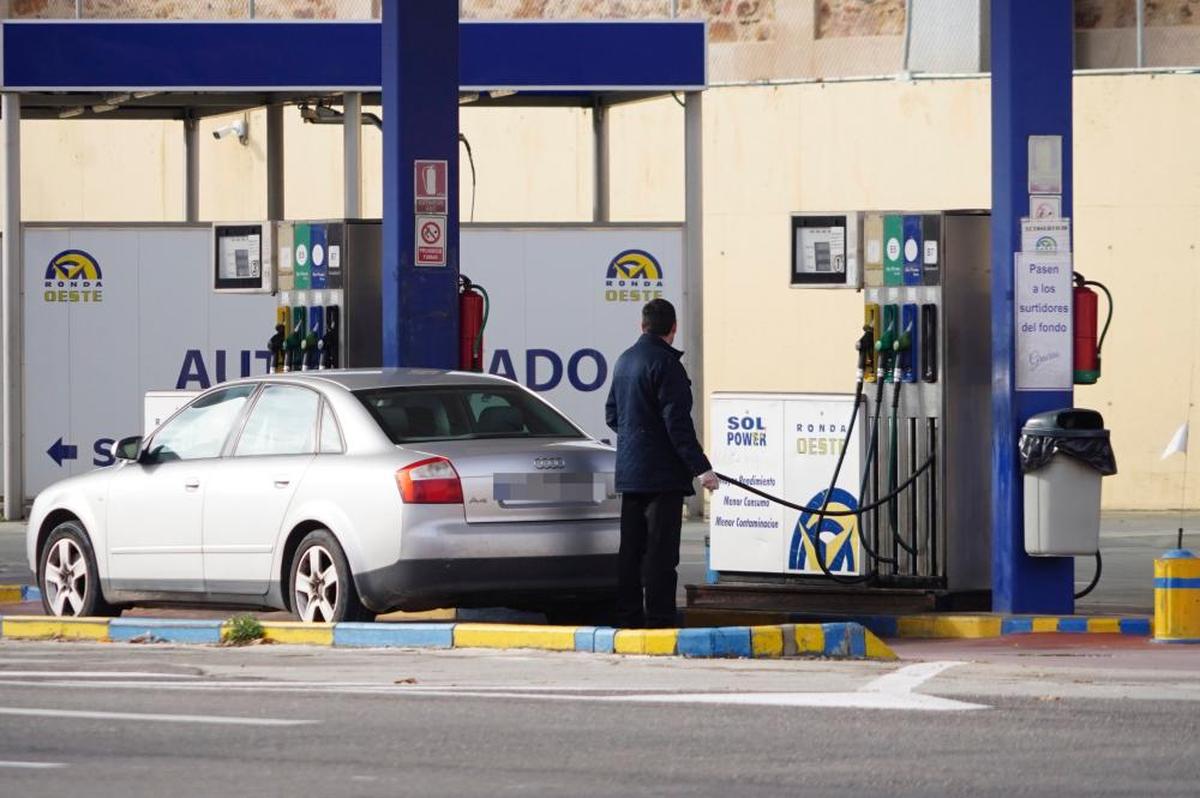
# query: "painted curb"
390 635
945 626
763 643
162 630
41 627
13 594
831 640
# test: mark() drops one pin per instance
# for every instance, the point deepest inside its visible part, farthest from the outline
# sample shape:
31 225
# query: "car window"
455 412
331 438
201 428
283 421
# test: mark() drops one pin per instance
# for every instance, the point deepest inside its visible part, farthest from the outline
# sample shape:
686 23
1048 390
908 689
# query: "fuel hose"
880 502
1095 578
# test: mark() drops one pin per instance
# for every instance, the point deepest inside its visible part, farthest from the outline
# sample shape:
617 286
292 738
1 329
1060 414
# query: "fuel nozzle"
885 350
865 346
292 346
275 346
902 343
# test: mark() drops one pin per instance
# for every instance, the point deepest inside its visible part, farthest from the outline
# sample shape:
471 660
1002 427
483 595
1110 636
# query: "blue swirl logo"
833 542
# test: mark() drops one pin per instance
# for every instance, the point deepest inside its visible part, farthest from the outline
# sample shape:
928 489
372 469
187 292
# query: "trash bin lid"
1070 422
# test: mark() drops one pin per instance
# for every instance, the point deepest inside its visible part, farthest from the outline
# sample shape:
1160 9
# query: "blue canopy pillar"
1032 60
419 288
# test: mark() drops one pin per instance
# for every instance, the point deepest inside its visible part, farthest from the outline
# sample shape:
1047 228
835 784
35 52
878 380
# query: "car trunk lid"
529 479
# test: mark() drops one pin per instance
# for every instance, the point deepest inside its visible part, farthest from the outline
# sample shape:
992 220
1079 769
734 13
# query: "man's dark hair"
658 317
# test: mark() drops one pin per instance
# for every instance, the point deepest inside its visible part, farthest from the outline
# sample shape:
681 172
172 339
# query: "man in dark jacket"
650 408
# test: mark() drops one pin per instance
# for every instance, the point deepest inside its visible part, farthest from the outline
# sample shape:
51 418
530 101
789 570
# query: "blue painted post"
420 107
1032 60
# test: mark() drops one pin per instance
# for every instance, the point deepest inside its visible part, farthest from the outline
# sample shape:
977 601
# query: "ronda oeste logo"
634 275
73 276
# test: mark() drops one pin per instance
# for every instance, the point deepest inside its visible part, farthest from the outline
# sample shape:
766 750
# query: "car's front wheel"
322 585
70 581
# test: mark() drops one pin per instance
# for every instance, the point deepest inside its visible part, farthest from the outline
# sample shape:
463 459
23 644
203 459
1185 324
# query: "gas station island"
933 480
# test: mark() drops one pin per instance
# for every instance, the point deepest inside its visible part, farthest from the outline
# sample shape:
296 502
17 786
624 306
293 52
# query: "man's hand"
709 481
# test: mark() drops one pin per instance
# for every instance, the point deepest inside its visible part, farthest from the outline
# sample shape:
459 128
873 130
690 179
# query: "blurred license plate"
545 488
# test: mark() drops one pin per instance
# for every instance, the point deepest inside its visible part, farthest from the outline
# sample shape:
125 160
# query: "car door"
248 497
156 505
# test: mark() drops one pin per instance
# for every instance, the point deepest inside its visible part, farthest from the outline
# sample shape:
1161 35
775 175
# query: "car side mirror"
128 448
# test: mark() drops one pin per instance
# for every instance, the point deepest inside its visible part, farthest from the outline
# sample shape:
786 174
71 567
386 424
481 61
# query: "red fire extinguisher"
1087 344
473 306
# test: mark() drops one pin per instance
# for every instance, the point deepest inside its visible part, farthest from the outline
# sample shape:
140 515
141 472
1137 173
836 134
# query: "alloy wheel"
66 578
316 585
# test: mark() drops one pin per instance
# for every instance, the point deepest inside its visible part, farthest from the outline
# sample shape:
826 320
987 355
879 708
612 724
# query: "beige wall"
769 151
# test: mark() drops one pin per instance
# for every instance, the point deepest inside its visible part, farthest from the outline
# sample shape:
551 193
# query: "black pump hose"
1095 579
872 453
903 486
824 513
893 464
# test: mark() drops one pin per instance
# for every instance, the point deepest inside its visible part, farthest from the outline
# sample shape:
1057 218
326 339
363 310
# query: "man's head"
658 318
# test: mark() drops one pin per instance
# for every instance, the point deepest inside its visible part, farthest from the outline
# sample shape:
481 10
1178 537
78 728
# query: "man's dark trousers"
650 530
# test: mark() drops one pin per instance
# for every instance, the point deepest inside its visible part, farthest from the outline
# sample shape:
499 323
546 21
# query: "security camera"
237 128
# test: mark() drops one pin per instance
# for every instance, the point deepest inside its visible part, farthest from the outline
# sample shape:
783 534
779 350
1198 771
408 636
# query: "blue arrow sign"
62 451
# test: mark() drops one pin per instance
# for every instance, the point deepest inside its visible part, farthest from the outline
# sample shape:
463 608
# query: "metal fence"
764 41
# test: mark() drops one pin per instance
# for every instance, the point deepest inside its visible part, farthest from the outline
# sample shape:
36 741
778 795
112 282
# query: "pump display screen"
238 257
819 250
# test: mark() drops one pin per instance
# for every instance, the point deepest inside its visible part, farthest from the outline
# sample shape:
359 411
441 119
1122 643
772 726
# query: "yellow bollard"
1177 597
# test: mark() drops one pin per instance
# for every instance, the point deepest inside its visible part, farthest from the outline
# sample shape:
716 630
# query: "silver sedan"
337 495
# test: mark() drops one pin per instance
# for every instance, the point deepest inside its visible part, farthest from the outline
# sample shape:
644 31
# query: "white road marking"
149 717
891 691
908 678
859 700
31 765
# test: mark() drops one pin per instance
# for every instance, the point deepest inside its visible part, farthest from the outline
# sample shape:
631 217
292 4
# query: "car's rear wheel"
69 579
322 585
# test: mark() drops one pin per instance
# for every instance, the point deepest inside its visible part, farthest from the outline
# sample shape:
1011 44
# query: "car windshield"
463 412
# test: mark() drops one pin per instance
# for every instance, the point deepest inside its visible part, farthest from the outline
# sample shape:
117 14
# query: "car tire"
68 576
320 583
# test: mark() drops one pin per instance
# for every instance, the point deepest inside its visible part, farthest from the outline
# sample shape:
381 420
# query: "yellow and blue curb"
939 626
831 640
707 633
13 594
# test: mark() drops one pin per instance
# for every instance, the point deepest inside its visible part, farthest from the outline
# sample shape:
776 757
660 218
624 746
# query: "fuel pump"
473 308
923 503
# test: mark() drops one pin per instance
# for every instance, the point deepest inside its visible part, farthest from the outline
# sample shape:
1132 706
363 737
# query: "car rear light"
432 481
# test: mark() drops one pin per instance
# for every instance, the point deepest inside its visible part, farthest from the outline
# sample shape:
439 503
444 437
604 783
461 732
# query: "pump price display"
1042 322
241 257
822 250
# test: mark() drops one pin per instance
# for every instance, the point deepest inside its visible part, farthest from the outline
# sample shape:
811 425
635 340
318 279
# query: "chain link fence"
763 41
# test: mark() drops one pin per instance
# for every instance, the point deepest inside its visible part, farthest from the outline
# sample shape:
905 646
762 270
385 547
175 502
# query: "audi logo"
548 463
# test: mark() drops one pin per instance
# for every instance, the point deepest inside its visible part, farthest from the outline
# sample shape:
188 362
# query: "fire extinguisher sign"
431 183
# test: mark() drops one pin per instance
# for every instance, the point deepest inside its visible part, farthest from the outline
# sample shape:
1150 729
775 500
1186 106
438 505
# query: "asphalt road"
105 720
